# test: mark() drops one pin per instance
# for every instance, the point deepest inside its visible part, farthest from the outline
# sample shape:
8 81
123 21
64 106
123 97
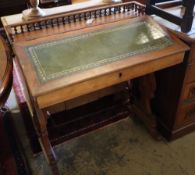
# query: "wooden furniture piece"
55 78
185 21
54 3
174 103
6 72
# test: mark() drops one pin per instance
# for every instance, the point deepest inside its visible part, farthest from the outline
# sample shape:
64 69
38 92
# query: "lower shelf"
75 122
71 123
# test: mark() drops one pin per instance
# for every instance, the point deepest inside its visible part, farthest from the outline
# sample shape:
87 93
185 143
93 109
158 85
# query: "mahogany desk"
121 48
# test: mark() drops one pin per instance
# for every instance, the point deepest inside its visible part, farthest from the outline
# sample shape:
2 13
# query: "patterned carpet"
121 148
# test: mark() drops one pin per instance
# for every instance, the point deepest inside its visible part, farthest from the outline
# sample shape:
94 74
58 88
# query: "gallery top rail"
132 8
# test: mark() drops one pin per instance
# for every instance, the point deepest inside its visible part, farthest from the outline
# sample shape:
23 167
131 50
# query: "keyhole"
120 75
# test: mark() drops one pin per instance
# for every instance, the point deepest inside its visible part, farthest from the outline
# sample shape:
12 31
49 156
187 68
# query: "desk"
6 72
177 119
119 54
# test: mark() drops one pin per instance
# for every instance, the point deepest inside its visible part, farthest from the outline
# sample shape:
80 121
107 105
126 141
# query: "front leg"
143 90
41 124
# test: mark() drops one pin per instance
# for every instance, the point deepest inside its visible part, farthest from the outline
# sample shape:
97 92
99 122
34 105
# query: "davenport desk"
69 55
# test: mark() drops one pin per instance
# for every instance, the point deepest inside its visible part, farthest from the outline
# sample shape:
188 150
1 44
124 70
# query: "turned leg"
41 124
143 90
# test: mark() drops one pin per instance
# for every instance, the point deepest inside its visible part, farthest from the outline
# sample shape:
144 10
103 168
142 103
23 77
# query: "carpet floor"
121 148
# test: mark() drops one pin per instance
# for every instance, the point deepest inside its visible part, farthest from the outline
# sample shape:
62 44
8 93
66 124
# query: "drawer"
185 114
190 74
192 54
189 91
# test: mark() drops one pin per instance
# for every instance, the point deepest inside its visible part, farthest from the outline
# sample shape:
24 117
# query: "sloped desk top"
64 66
85 51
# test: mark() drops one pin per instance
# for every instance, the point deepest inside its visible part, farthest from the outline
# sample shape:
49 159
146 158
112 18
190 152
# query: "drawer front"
185 114
192 54
190 73
189 91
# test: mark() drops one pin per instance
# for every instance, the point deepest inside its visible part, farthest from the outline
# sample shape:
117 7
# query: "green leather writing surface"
78 53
